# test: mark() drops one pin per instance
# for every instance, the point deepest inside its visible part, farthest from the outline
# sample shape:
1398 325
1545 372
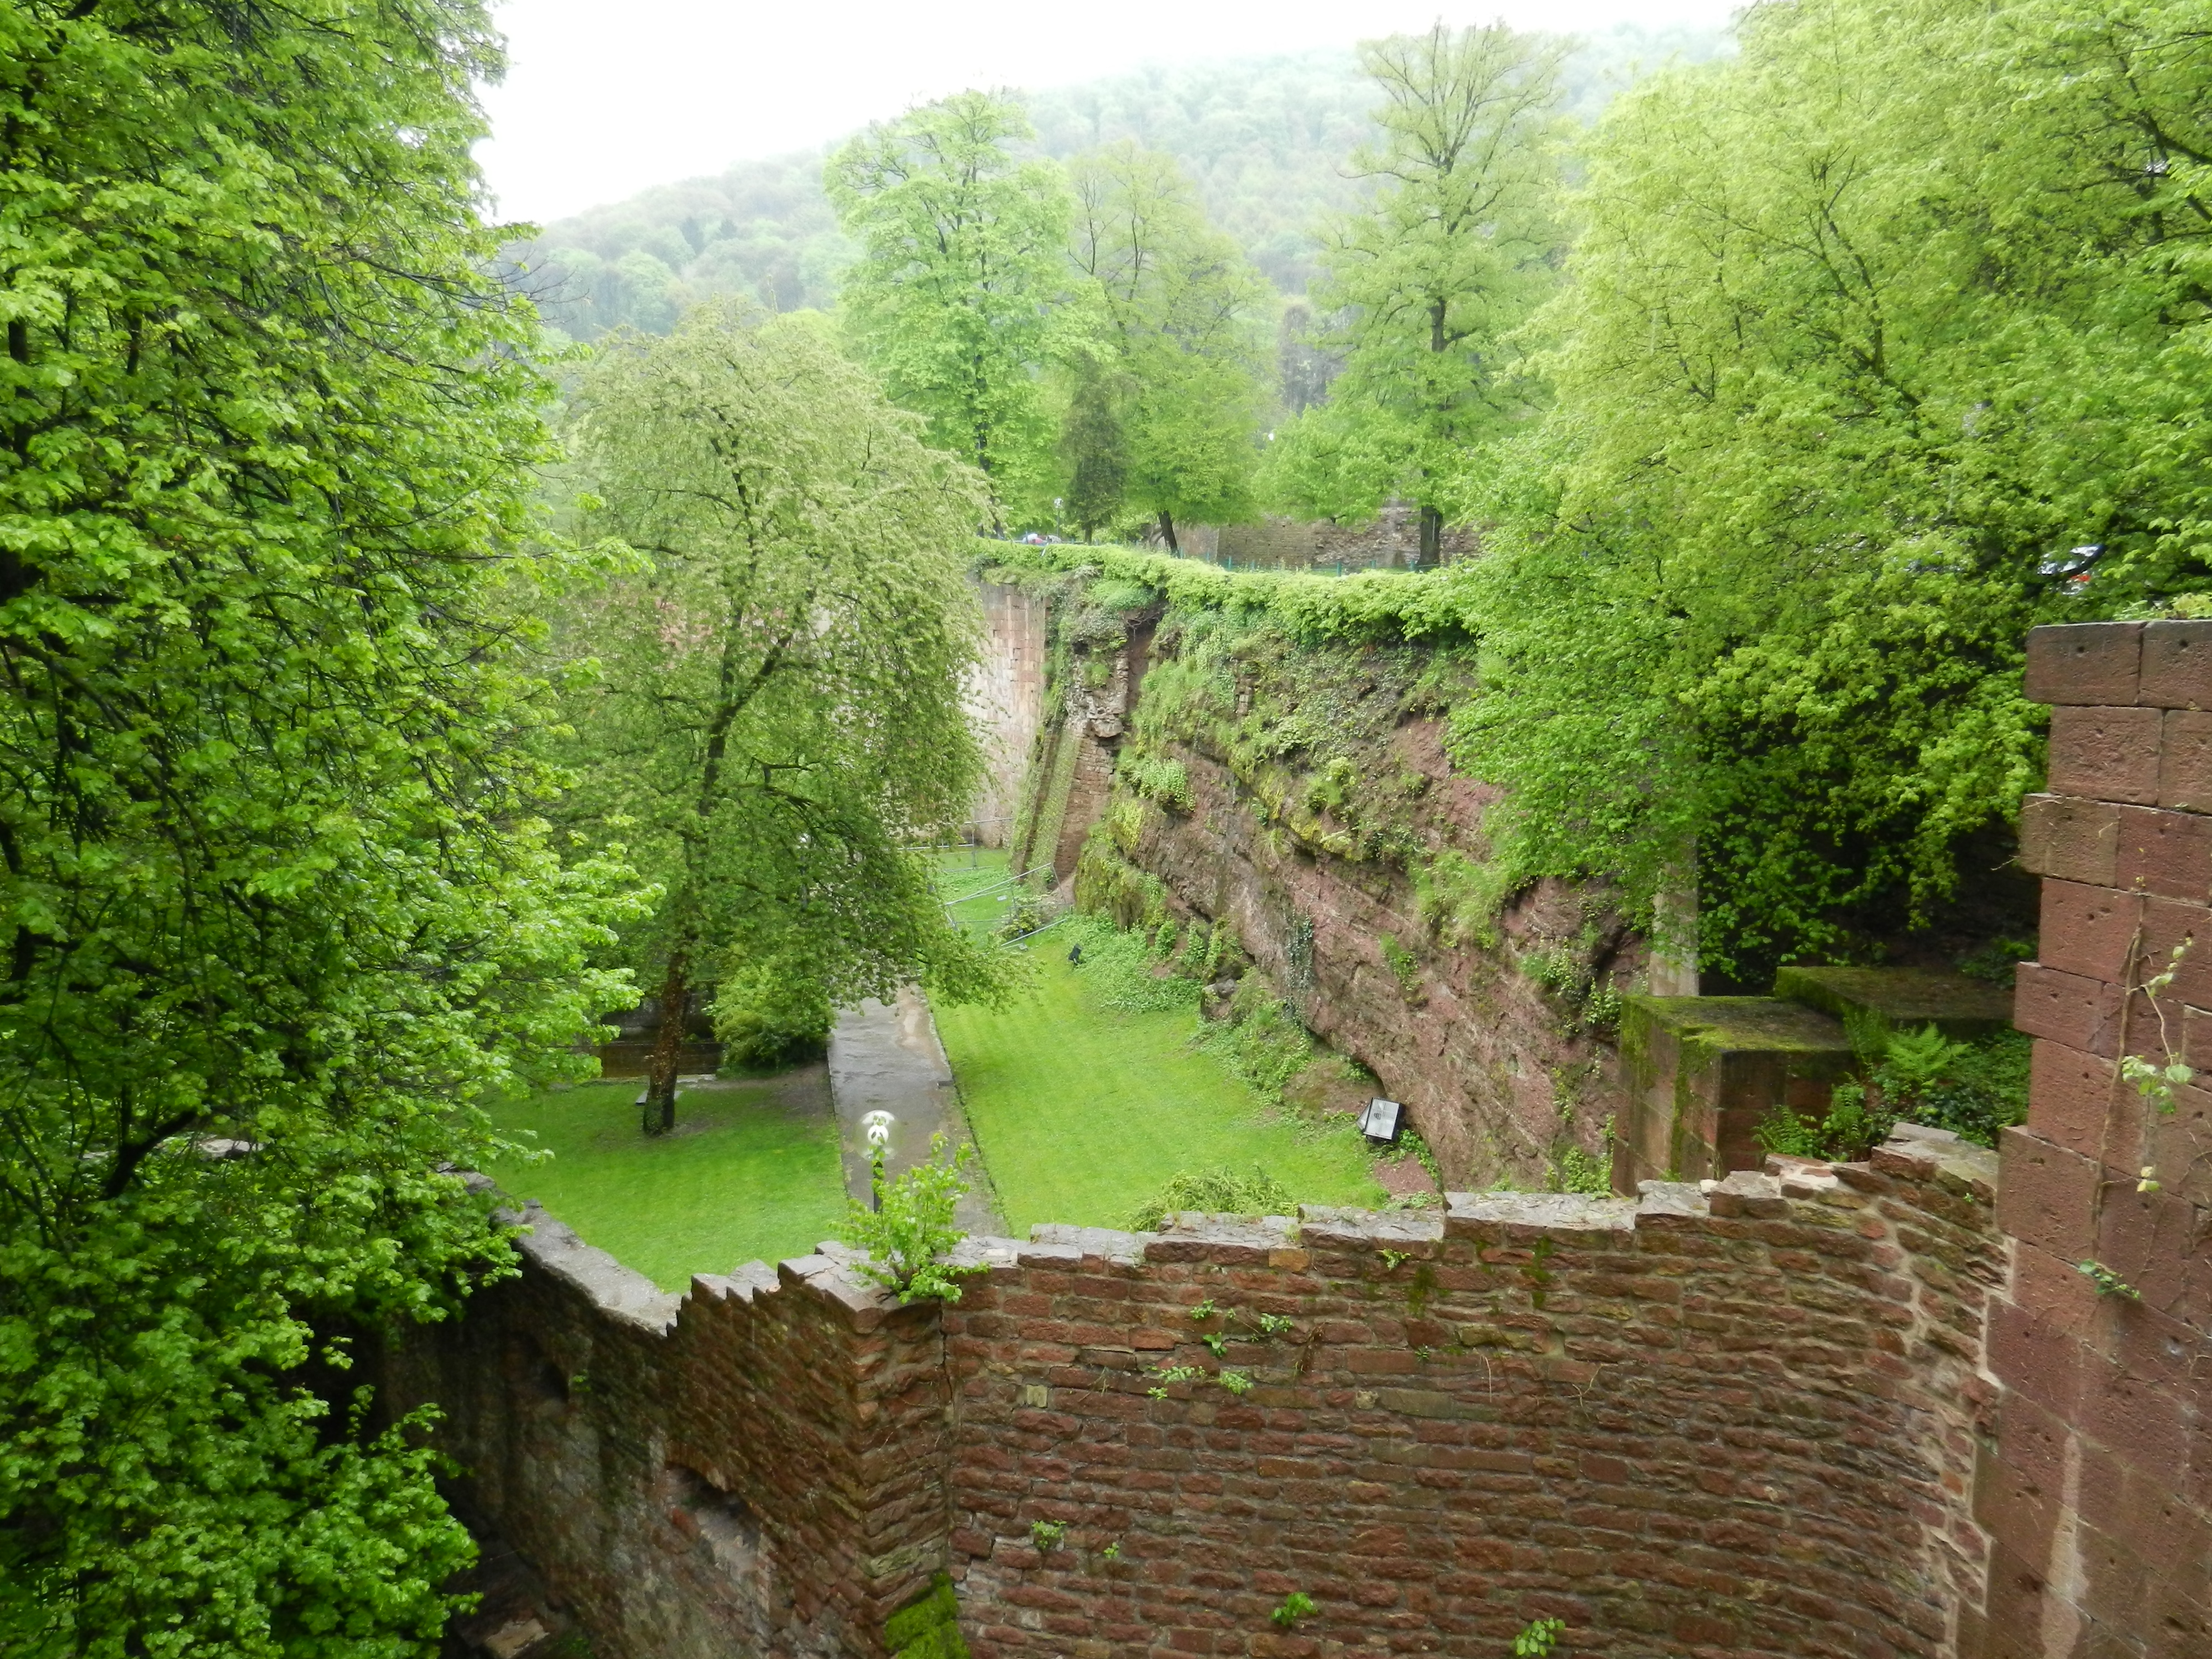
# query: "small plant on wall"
911 1227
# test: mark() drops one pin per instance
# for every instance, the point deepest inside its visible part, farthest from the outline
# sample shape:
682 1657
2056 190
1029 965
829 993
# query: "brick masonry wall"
1855 1410
2097 1486
758 1468
1743 1425
1734 1423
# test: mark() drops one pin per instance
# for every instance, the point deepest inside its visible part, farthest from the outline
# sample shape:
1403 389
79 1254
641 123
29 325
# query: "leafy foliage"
912 1227
962 251
1451 251
278 904
764 709
1217 1192
1877 351
1176 308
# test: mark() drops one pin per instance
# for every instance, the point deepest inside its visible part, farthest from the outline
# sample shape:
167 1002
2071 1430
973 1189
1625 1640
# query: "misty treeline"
1135 253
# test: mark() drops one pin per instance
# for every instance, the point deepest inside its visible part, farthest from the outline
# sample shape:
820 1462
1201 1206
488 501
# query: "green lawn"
751 1171
1082 1113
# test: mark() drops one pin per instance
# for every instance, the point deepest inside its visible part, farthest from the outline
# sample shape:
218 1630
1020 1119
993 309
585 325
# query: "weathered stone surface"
1641 1413
1909 997
1703 1070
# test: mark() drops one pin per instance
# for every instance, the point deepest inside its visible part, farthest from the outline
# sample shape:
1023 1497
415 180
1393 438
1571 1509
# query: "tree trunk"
659 1114
1167 531
1433 538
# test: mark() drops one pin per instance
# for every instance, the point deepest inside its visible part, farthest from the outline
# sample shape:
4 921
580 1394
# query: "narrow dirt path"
887 1058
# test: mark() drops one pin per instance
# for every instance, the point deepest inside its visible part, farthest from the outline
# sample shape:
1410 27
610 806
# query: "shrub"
911 1230
1218 1192
1122 970
767 1016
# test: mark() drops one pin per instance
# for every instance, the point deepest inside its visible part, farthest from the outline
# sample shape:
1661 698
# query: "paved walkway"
887 1058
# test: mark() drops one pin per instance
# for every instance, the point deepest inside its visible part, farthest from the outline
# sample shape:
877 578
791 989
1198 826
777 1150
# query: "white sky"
602 100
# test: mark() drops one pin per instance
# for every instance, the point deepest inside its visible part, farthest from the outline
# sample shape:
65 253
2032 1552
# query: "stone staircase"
1703 1070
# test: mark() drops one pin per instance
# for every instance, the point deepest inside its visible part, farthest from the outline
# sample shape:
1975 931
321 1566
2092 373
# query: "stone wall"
2099 1483
1869 1410
757 1468
1006 695
1741 1422
1496 1073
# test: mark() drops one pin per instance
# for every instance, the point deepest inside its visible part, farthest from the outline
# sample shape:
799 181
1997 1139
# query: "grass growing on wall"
751 1172
1084 1112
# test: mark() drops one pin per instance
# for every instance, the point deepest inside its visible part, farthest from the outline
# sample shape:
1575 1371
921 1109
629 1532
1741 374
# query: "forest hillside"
1265 138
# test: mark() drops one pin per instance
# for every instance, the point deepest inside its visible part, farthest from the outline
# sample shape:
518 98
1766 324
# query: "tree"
961 266
276 904
1455 248
1885 342
1176 301
778 719
1093 449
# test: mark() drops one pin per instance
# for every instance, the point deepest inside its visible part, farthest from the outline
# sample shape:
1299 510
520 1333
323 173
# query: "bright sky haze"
600 102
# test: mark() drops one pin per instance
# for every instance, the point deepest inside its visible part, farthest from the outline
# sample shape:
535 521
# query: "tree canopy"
963 258
1884 342
277 903
766 712
1176 316
1428 279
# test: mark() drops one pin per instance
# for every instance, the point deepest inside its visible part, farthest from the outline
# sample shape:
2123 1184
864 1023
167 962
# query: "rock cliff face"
1497 1071
1299 794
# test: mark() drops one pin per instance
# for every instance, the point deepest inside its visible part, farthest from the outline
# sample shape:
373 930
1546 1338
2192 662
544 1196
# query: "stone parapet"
1731 1418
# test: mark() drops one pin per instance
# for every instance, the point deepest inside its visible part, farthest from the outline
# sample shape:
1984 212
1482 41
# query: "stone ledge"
1332 1223
1517 1216
1098 1244
1919 1153
831 1276
1255 1241
620 1292
1666 1203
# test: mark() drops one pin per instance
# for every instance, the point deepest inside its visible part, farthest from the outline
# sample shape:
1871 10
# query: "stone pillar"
2097 1492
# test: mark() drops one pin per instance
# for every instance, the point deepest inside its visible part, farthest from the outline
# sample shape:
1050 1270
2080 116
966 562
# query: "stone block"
2184 767
2159 852
2047 1195
2082 1013
2176 666
2087 930
1703 1070
2072 1096
2084 663
2107 754
2070 838
1908 998
2168 925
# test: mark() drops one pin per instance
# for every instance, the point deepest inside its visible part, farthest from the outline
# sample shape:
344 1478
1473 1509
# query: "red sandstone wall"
1494 1073
1745 1432
1856 1412
1006 698
1741 1425
2098 1488
754 1468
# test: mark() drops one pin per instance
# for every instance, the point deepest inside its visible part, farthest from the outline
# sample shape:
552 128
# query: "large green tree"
1456 245
776 719
962 262
1887 341
1177 347
274 907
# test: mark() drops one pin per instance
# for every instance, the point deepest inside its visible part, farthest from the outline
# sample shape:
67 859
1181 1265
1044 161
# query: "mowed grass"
1083 1112
751 1172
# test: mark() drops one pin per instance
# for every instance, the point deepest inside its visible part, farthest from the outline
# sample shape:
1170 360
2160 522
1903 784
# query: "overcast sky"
601 101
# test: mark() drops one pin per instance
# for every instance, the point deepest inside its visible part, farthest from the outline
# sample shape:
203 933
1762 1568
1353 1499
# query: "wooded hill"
1265 138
